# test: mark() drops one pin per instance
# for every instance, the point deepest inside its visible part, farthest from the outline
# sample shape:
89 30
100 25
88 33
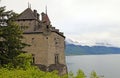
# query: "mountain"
74 48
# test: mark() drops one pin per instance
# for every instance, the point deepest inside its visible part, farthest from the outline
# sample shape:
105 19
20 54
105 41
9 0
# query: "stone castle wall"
38 47
47 44
44 47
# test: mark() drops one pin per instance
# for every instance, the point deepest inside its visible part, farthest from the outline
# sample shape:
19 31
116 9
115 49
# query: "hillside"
77 49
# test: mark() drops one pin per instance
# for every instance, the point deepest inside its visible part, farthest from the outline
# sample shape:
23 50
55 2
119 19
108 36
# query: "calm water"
107 65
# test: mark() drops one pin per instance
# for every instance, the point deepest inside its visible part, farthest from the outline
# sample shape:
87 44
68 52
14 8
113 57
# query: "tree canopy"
11 44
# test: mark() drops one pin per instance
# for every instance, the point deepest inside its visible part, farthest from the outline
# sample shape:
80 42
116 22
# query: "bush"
34 72
23 61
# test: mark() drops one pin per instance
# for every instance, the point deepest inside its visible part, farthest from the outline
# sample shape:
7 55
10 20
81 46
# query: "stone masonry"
47 44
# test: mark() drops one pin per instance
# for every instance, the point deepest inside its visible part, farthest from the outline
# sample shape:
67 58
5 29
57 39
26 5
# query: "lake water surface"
107 65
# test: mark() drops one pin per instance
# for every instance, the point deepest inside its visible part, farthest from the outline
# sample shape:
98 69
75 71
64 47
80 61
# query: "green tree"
80 74
5 16
94 75
11 44
23 61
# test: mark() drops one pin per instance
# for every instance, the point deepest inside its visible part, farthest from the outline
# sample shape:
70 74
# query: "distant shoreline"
89 54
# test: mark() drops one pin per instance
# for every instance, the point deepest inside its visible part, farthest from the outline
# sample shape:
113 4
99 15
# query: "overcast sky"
85 21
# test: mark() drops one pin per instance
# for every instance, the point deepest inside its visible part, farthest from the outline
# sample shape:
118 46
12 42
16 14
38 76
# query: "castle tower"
47 43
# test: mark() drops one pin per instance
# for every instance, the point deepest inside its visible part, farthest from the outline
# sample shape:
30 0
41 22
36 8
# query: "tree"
94 75
11 44
80 74
5 16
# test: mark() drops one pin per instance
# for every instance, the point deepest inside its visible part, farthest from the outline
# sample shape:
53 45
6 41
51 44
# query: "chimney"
45 18
38 15
35 13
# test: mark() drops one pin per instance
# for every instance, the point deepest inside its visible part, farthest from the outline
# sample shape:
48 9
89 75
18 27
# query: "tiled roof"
27 14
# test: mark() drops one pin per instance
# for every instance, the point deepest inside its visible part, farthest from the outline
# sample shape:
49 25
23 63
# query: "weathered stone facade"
47 43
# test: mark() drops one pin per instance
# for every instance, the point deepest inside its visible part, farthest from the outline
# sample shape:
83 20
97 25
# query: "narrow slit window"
33 59
56 58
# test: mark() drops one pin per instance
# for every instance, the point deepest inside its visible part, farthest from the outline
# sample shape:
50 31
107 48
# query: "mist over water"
105 65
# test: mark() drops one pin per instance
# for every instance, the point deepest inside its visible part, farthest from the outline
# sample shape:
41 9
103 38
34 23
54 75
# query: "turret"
45 18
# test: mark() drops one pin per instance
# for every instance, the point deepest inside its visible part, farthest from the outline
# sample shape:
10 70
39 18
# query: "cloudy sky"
85 21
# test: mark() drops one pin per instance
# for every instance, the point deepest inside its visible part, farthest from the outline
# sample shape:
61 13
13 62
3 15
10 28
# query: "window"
57 41
33 58
47 27
56 58
46 37
23 27
32 40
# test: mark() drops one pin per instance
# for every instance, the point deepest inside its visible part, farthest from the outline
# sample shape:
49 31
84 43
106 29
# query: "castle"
47 43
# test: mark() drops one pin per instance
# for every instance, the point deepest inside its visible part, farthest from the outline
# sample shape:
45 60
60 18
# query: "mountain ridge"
77 49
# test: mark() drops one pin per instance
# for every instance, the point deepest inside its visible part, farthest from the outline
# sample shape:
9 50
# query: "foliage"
94 75
80 74
34 72
11 45
15 63
5 16
22 61
71 75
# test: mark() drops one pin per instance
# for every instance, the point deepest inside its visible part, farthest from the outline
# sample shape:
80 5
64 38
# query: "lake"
107 65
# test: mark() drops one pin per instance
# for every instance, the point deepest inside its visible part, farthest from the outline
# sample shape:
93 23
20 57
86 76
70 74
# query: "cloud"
87 21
